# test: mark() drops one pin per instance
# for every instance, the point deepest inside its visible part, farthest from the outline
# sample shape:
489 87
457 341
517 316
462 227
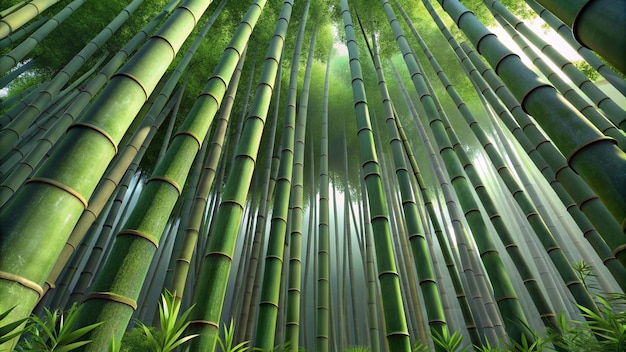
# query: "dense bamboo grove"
319 174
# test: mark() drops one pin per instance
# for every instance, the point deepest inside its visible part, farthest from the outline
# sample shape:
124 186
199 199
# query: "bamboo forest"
313 175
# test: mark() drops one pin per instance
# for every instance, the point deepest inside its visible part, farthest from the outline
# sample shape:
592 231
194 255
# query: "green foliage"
9 331
419 346
449 343
172 327
135 340
229 337
488 348
55 332
585 68
609 325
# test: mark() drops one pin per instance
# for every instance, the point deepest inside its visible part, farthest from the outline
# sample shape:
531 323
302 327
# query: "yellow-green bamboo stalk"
216 263
18 15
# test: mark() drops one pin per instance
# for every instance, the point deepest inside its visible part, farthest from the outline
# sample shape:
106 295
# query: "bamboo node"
204 322
141 235
113 297
136 80
388 272
397 333
104 133
22 281
61 186
531 91
168 181
190 134
504 298
619 249
578 149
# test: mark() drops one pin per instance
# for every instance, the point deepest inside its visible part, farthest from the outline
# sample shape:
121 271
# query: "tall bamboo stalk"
18 17
45 97
566 33
216 263
115 289
614 113
49 205
593 156
214 155
393 310
421 256
297 207
589 21
10 59
503 289
266 329
253 281
533 140
322 313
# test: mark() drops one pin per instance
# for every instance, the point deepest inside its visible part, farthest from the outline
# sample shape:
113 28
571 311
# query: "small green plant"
420 346
609 324
357 349
449 343
172 327
54 332
488 348
10 330
229 337
135 340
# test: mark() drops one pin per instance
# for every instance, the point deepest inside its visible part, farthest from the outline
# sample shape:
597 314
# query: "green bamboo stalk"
12 8
350 234
370 273
468 317
15 73
566 33
115 290
421 256
18 17
104 231
192 228
395 321
542 232
613 112
10 59
124 168
588 21
502 286
599 120
15 36
269 305
26 117
292 332
253 280
322 313
533 140
217 261
594 157
588 230
64 183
